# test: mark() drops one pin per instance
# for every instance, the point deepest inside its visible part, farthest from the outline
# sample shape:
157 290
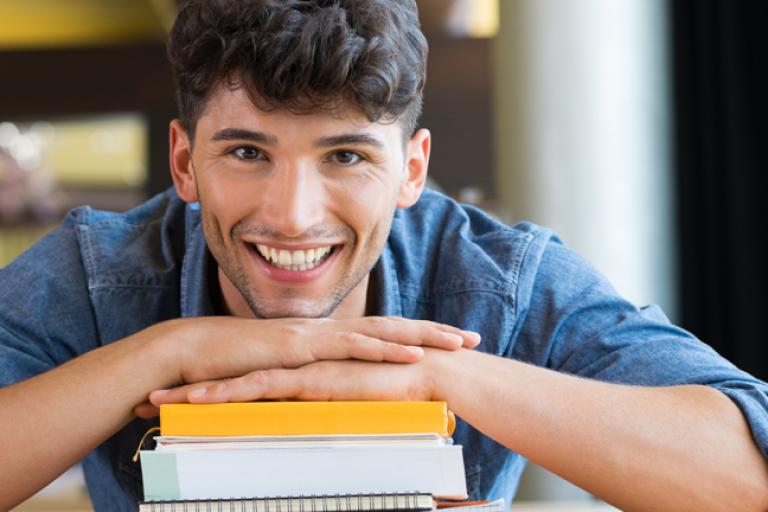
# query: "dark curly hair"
302 55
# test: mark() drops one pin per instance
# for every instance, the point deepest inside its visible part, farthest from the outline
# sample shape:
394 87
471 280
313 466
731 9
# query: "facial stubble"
263 307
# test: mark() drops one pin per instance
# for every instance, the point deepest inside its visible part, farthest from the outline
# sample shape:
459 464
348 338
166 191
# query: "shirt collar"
195 268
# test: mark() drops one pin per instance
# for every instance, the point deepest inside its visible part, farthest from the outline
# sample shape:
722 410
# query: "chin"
295 310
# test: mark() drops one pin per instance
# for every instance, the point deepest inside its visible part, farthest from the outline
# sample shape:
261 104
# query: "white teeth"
294 260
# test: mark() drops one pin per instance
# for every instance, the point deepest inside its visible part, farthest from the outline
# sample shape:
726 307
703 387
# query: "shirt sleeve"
575 322
45 312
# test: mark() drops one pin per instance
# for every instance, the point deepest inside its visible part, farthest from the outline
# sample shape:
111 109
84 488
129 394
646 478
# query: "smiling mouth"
296 261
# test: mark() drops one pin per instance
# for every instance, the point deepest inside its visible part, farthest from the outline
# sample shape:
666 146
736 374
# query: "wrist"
166 346
443 372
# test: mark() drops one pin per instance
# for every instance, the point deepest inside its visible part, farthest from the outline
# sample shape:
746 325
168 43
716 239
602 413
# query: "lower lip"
293 276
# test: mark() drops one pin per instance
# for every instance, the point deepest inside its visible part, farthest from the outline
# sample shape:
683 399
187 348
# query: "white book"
303 471
178 443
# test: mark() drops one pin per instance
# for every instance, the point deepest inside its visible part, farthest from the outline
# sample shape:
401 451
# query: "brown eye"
346 157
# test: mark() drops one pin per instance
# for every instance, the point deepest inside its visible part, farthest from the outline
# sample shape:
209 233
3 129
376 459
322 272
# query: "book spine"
305 418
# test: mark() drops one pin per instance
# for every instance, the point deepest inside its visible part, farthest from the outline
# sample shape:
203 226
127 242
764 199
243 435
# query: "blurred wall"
582 135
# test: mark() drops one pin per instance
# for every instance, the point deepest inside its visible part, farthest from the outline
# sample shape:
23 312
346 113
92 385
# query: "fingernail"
160 391
197 393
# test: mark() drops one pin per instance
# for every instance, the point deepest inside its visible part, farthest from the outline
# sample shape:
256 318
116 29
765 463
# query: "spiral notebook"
413 502
409 502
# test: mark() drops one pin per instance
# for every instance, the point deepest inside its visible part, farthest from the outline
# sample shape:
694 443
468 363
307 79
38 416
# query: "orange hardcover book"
306 418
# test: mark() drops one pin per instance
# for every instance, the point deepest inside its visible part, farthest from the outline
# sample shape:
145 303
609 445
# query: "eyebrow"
229 134
243 134
363 139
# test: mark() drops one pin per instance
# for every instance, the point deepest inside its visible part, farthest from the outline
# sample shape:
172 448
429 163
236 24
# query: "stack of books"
304 456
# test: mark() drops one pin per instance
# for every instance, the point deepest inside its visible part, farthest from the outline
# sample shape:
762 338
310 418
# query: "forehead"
233 107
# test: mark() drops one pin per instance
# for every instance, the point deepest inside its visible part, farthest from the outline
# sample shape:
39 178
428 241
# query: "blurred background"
635 128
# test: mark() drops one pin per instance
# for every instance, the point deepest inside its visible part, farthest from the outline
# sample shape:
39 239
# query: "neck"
354 304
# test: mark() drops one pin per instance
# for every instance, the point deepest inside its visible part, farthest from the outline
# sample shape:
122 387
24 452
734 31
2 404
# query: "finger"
310 382
470 339
433 334
353 345
261 384
322 381
417 332
177 395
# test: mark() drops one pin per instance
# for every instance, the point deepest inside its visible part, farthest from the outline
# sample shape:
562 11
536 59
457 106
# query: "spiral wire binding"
397 502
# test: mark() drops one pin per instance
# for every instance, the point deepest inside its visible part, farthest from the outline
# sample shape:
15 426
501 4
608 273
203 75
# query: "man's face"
295 208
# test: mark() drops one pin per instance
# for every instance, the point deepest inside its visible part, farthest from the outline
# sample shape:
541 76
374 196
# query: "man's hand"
322 380
241 352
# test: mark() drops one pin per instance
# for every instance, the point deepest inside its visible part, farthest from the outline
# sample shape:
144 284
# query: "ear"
416 161
182 171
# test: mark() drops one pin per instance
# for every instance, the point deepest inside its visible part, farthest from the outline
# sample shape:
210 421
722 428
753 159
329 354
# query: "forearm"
51 421
640 448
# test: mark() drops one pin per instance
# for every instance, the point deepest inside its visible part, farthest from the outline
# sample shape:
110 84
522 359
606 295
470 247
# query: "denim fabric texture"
103 276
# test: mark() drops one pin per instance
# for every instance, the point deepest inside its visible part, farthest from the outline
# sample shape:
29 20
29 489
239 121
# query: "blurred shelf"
16 239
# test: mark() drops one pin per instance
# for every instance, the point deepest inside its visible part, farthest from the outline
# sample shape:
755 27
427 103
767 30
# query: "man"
298 256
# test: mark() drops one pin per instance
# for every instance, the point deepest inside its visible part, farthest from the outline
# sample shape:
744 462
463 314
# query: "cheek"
224 204
364 202
369 215
211 230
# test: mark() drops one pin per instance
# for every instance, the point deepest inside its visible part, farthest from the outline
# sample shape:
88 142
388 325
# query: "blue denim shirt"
103 276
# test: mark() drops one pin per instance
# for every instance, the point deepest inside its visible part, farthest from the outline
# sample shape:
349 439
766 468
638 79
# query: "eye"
248 153
346 157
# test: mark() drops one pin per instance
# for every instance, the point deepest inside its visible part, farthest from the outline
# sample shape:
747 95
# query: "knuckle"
256 378
222 387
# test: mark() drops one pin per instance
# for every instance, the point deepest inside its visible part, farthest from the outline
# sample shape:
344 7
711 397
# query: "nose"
293 199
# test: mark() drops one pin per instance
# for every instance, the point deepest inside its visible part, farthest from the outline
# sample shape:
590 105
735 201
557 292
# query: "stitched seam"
84 241
518 263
